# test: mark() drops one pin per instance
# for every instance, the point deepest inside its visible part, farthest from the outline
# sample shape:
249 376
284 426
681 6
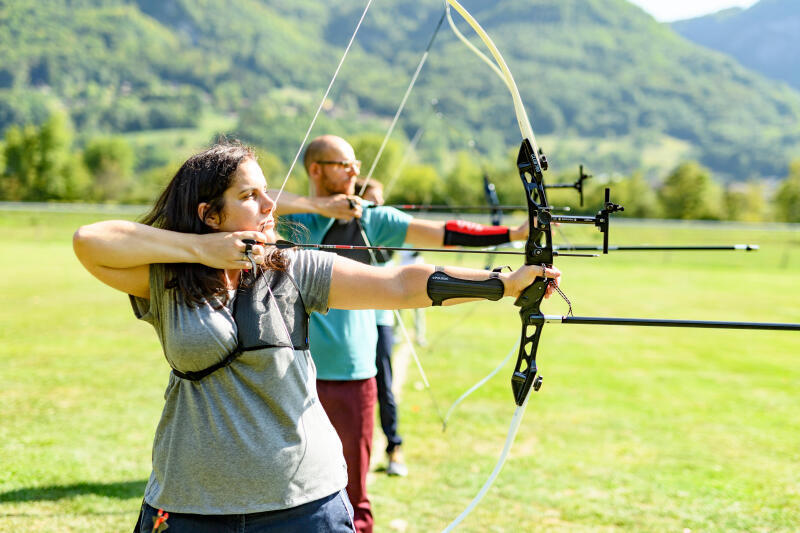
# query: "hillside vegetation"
592 73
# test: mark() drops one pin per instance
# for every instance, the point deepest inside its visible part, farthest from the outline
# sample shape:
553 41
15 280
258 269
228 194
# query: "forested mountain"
606 85
765 37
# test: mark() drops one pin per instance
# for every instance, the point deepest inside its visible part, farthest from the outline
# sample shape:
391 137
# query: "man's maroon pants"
350 405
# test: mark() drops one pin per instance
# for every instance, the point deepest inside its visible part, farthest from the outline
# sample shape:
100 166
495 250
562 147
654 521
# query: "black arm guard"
442 286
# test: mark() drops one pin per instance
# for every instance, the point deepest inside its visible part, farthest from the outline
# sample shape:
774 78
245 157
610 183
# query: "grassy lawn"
635 429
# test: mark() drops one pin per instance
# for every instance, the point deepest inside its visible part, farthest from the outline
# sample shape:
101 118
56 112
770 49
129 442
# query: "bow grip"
525 371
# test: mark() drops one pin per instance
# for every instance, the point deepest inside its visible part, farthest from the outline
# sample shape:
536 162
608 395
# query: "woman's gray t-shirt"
251 436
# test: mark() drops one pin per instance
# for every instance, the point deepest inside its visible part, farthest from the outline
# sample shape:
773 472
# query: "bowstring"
412 145
414 77
322 102
478 385
374 164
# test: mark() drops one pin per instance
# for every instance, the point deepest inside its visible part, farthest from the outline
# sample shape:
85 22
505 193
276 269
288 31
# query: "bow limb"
491 64
516 419
530 168
522 117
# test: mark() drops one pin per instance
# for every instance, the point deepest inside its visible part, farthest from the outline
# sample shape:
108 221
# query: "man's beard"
343 187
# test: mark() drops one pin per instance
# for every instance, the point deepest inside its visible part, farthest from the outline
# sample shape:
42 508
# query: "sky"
669 10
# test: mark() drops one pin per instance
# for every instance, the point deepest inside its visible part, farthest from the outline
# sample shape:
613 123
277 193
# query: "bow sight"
577 185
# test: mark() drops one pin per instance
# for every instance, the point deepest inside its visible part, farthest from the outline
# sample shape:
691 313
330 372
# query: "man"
343 342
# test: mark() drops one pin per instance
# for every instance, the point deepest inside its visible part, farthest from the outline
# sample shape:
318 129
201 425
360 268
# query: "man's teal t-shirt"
343 341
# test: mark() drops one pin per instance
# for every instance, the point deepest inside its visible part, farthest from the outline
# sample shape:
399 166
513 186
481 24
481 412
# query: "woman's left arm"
355 285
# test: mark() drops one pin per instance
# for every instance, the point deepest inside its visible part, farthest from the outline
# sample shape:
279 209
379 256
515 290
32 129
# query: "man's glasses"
355 164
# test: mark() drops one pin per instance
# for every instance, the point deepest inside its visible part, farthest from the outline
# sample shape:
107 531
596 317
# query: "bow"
534 254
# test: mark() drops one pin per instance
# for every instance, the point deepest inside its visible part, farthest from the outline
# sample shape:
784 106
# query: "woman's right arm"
119 252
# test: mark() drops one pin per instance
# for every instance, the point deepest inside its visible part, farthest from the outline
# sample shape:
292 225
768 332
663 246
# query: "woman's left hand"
517 281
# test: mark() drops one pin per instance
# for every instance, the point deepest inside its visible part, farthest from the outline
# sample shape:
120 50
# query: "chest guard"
267 316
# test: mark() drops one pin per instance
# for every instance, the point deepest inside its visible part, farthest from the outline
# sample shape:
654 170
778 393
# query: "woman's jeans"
332 514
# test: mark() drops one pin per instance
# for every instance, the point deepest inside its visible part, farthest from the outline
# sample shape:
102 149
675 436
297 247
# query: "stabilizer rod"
664 323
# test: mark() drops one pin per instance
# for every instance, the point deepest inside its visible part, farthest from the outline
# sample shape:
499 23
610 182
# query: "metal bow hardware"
577 185
539 251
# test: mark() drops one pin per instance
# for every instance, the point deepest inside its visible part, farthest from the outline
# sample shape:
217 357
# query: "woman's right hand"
227 250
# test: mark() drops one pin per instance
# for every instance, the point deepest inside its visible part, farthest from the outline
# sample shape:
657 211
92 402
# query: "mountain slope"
601 78
765 37
603 69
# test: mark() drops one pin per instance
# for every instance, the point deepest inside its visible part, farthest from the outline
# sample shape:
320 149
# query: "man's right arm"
337 206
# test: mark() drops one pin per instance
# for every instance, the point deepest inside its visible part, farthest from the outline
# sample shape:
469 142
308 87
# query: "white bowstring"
512 433
421 63
409 150
478 385
322 102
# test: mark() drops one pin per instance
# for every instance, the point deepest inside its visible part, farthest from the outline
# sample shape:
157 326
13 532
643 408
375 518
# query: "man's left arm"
432 233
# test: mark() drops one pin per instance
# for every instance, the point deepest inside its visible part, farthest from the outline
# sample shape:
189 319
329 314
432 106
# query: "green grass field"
635 429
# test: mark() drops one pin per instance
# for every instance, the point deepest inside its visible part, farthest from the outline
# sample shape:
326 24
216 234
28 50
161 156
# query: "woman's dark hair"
202 178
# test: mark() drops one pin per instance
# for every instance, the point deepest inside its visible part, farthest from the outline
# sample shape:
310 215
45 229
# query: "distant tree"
149 183
637 196
787 199
110 163
274 169
417 184
40 165
745 202
463 185
689 192
275 172
366 147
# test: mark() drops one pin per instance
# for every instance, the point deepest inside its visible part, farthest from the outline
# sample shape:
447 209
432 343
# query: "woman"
243 441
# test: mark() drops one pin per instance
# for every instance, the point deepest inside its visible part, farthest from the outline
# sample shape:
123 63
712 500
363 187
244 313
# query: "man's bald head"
322 148
331 166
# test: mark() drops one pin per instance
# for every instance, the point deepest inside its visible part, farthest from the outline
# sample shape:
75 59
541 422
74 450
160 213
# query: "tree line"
44 164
